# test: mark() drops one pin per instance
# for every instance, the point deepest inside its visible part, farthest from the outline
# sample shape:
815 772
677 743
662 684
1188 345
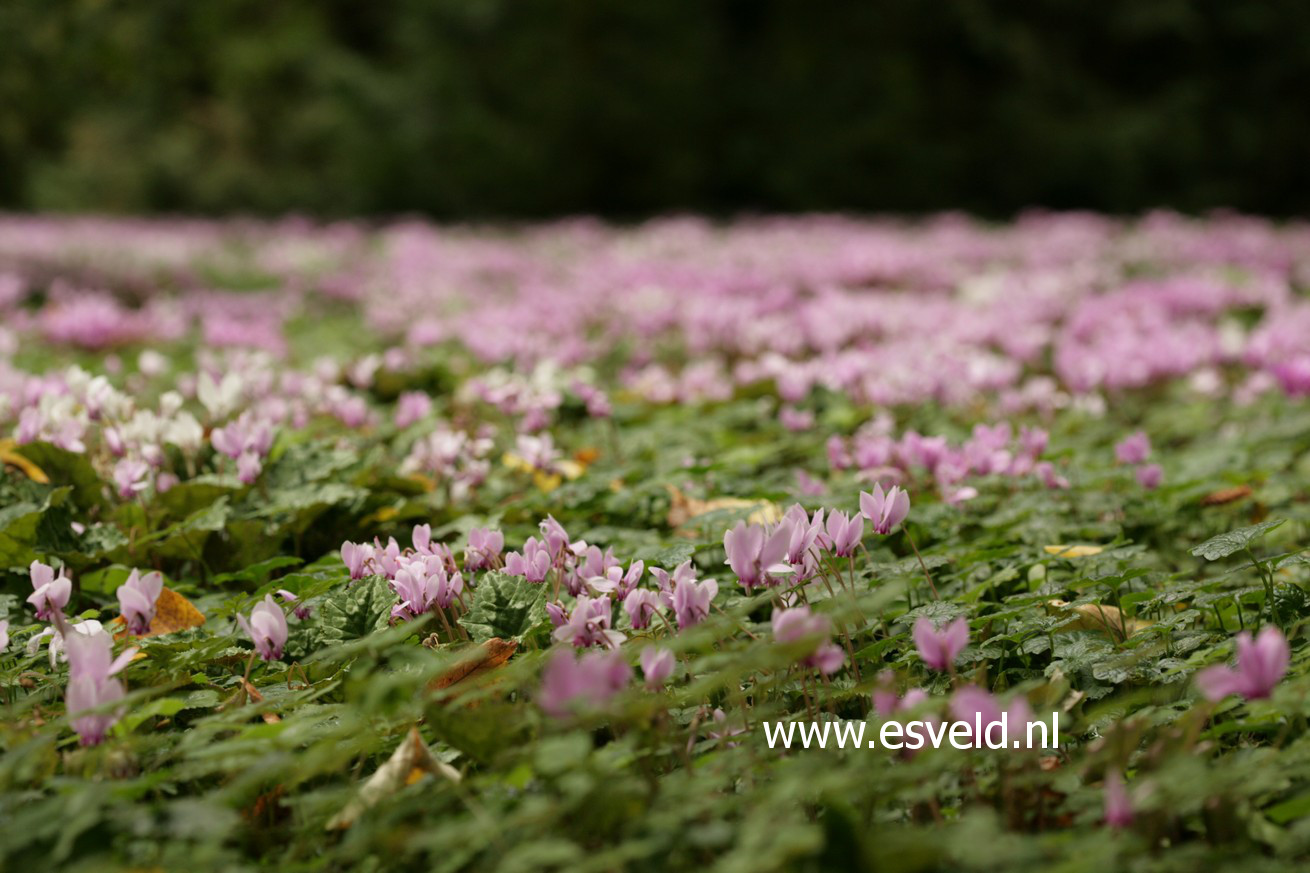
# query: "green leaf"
505 606
1234 541
1290 810
66 468
350 613
25 528
668 557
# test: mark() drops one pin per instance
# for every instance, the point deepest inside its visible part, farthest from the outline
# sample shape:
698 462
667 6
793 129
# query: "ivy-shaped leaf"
505 606
1234 541
350 613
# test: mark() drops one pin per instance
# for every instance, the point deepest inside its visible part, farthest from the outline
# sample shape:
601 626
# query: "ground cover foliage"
412 532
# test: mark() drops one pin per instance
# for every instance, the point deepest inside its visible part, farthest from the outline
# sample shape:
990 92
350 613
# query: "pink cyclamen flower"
422 539
589 624
886 702
641 604
386 559
656 665
753 551
483 552
554 535
1261 663
356 557
973 705
1118 805
412 406
300 610
940 647
1133 449
249 466
1045 471
131 477
1149 476
423 583
844 535
691 601
570 683
51 592
885 510
136 599
91 667
533 564
267 627
667 581
798 623
4 635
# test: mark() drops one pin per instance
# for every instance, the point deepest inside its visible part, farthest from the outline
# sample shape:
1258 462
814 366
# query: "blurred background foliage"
523 108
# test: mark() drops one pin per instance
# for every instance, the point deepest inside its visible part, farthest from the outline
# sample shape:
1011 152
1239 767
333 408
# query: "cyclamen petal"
51 593
267 628
940 647
137 598
570 683
885 510
1261 664
656 665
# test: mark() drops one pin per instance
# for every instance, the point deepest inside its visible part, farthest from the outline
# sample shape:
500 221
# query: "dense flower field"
343 546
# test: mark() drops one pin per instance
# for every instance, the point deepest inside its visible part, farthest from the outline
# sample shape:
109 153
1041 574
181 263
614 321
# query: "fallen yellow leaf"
1226 495
684 509
1100 618
482 659
173 613
406 765
1073 551
8 455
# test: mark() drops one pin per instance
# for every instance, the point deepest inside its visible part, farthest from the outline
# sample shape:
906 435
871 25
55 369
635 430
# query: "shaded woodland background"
529 108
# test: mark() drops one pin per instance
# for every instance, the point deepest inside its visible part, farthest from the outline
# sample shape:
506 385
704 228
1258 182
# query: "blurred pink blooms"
1133 449
1118 805
1149 476
939 647
91 668
1261 663
691 600
571 683
798 623
657 665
